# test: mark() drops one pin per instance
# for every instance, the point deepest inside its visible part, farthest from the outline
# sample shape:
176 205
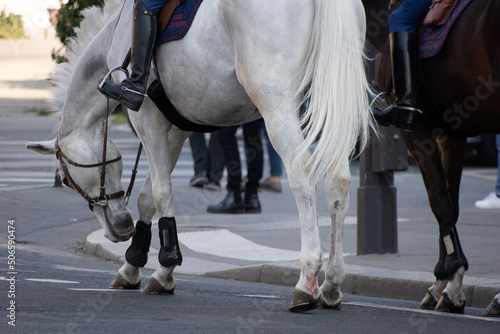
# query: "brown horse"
459 98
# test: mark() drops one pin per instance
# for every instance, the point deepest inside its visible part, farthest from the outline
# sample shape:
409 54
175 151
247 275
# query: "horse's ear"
43 147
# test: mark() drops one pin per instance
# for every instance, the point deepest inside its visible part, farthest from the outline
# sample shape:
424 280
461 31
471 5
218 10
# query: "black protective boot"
251 202
403 112
131 91
170 253
137 253
232 203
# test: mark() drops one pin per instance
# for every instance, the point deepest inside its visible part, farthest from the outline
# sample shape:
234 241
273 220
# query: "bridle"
103 198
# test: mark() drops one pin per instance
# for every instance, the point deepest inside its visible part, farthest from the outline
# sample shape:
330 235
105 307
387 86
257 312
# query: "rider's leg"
131 91
403 23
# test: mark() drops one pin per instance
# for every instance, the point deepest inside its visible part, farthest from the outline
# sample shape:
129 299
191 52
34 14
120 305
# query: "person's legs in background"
492 201
216 163
233 202
273 182
200 158
255 161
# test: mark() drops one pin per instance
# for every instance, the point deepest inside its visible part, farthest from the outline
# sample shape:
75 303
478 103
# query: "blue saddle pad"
181 21
434 37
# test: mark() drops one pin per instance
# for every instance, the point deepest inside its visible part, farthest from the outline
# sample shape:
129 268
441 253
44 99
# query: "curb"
360 280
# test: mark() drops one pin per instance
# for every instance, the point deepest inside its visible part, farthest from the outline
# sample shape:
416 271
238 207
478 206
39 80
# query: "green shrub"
67 19
11 26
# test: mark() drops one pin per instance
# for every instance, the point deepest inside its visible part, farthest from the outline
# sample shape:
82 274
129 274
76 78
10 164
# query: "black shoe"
131 91
199 180
404 112
252 203
232 203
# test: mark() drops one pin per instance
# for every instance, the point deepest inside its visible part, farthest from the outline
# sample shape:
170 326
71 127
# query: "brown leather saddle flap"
439 12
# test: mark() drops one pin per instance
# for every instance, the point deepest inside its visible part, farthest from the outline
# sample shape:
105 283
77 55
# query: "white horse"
239 56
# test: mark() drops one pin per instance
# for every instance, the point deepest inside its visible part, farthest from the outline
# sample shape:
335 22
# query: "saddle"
439 11
438 14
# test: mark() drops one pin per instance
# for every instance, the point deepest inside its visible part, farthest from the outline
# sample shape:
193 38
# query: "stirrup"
124 88
108 76
382 95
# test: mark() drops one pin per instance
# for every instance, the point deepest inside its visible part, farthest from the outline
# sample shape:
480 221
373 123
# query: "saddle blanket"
181 21
434 37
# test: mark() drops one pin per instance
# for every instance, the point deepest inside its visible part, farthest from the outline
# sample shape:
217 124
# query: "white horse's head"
80 166
88 161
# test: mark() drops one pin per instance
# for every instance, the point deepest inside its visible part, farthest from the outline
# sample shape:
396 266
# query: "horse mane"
94 20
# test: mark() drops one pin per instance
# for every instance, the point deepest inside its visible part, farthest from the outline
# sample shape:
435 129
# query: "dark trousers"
255 161
207 160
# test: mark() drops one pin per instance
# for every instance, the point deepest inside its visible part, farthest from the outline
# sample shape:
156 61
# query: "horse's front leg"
337 193
493 309
136 256
163 145
440 163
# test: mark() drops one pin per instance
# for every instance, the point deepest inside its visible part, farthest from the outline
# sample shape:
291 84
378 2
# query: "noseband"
103 198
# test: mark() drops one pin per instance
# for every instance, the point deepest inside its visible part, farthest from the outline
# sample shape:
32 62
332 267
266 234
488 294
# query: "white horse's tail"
338 112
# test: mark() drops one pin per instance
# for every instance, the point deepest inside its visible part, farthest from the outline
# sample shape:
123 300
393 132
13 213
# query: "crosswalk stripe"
22 169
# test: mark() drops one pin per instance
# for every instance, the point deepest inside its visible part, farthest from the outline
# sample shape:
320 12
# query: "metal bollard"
377 204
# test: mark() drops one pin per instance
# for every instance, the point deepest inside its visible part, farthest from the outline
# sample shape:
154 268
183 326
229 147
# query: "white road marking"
224 243
61 267
260 296
104 290
428 312
49 280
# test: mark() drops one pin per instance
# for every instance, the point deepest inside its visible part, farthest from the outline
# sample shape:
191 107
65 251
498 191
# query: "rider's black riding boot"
404 112
131 91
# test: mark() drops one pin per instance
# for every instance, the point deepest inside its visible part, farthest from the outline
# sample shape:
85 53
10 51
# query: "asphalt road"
61 291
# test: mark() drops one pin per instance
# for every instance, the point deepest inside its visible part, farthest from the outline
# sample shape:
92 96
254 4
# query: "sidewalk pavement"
265 247
25 66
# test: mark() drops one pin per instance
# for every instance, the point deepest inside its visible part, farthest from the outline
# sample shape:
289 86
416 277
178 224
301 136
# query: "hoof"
121 283
154 287
329 304
303 302
429 302
330 300
446 305
493 310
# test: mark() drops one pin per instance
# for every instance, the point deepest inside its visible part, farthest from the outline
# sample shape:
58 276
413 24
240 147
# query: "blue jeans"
153 5
408 15
274 159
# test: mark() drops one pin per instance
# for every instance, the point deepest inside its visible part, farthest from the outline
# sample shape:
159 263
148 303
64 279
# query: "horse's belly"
199 76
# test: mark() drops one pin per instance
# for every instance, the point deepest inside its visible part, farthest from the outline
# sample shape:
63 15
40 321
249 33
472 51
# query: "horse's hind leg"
337 192
129 275
285 134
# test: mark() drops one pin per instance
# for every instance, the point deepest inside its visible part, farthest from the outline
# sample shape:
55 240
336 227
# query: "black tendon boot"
131 91
170 253
455 257
137 253
232 203
251 202
403 112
